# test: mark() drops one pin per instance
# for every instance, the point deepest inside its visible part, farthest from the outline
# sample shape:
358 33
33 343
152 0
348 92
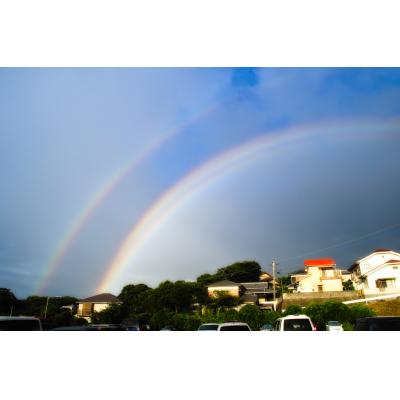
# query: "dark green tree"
252 315
8 301
223 300
243 271
206 279
113 314
348 285
360 311
293 309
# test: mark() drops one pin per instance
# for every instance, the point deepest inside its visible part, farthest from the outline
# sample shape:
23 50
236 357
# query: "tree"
113 314
321 313
244 271
360 311
8 301
252 315
207 279
132 297
348 285
293 309
223 299
131 293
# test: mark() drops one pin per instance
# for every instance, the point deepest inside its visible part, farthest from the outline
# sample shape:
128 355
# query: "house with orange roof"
377 273
320 275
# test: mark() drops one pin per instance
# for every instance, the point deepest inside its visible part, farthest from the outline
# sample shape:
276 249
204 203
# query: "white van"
294 323
20 324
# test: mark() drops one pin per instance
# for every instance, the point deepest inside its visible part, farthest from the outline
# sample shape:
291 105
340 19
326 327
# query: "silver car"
334 326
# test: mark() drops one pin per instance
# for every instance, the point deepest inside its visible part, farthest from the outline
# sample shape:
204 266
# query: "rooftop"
224 284
322 262
101 298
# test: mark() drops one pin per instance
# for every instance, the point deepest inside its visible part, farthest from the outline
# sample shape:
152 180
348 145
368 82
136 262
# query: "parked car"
377 324
94 327
294 323
267 327
233 326
20 324
226 326
208 327
168 328
334 326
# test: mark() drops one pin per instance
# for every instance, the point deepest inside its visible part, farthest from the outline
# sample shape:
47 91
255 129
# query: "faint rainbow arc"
173 197
107 188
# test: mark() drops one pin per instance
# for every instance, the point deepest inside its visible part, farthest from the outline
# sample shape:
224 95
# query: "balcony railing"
334 275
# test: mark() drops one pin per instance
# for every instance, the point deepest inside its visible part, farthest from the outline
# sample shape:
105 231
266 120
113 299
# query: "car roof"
232 323
18 318
295 316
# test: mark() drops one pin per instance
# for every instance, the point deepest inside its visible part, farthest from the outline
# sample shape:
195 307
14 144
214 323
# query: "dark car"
378 324
95 327
20 324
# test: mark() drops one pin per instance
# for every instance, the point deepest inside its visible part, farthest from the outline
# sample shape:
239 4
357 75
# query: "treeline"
181 305
52 311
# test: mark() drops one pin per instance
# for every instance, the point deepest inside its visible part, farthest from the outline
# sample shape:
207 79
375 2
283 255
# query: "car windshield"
210 327
300 324
334 323
20 325
234 328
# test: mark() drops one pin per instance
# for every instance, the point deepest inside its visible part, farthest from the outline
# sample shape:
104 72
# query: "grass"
388 307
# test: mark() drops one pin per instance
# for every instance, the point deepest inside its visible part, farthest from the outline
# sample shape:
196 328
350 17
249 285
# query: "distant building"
377 273
258 293
319 275
97 303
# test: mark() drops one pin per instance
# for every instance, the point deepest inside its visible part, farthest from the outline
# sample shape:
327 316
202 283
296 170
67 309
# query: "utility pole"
274 264
45 310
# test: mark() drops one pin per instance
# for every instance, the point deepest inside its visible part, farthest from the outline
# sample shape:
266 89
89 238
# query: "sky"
129 175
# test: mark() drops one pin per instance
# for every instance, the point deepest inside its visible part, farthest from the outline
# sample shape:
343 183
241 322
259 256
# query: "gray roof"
255 285
101 298
224 284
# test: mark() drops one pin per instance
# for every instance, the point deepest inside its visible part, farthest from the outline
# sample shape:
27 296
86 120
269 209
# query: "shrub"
360 311
252 315
293 309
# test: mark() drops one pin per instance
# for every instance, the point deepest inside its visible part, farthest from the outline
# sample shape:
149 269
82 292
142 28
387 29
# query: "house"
97 303
265 277
377 273
319 275
229 287
259 293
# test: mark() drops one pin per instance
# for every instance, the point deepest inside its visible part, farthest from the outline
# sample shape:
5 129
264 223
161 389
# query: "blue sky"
65 132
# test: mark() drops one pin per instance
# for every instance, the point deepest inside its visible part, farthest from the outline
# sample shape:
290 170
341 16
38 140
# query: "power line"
344 243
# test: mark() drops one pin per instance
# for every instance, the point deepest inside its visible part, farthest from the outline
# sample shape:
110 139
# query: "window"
209 327
234 328
386 283
301 324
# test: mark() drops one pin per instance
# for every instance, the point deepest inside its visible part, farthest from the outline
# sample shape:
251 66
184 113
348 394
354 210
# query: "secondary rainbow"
233 158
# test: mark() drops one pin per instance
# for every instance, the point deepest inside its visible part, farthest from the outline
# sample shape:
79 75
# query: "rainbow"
173 198
106 189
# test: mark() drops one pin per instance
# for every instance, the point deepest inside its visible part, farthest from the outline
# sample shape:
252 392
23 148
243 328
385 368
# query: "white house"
377 273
